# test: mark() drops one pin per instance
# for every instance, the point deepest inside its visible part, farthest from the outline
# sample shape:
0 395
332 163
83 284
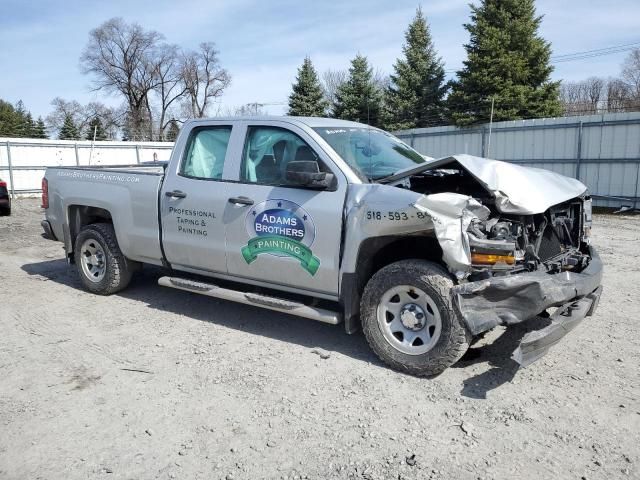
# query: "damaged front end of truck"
515 238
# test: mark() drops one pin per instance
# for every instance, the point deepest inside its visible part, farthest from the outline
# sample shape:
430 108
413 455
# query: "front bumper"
485 304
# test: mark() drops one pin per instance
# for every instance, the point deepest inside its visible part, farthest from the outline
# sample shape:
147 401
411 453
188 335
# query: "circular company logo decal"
281 218
281 228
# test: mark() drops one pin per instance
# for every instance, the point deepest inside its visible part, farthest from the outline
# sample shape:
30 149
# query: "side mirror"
307 173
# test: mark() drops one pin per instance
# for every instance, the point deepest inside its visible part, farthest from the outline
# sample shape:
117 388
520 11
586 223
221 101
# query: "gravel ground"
158 383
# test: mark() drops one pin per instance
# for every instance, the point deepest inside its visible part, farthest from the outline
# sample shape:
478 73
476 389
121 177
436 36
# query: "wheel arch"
375 253
79 216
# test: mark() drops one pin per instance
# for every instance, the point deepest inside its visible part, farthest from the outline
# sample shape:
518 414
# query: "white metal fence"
602 151
23 161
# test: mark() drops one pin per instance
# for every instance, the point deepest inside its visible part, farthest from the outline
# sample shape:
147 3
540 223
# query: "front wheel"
102 267
408 318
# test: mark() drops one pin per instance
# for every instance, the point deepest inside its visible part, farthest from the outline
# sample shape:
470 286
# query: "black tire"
5 212
432 279
119 269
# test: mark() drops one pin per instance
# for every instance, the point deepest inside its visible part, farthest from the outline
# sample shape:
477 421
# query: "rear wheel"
5 211
102 267
408 318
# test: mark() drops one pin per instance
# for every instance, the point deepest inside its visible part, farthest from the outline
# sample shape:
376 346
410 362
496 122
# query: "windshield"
373 154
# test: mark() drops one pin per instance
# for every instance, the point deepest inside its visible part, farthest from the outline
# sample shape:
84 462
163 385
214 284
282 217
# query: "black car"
5 199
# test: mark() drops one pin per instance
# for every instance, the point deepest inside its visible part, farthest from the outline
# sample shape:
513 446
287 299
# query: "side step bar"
255 299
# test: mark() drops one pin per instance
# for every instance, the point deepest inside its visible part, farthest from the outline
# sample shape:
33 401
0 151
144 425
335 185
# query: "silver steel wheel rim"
92 259
403 327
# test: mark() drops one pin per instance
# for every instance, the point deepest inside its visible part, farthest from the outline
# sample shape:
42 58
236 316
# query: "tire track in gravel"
46 321
63 339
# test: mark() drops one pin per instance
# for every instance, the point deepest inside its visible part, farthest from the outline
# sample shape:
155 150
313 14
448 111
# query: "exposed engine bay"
551 240
515 238
505 243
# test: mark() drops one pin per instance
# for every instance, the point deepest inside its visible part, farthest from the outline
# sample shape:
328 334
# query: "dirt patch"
167 384
83 379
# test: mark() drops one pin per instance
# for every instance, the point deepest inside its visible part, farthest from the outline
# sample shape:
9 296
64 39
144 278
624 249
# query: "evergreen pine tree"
415 97
507 60
8 119
307 98
23 121
16 121
96 125
359 99
172 132
39 130
29 126
68 131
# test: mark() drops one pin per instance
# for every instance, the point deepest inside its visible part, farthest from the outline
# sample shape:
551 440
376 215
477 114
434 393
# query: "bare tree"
203 78
594 91
631 72
81 115
584 97
111 118
618 96
631 77
248 109
331 81
122 59
599 95
570 97
156 79
170 85
61 109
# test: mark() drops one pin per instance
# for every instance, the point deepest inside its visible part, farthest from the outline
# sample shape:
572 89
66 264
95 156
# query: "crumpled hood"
518 190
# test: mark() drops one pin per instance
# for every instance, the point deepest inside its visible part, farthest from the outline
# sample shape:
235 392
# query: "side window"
205 153
267 152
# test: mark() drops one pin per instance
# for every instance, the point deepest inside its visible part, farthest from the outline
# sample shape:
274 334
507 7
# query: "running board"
255 299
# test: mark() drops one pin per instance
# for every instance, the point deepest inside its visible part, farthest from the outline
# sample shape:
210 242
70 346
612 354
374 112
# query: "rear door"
278 233
193 199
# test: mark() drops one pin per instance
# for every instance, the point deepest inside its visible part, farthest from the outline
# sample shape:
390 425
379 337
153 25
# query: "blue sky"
262 43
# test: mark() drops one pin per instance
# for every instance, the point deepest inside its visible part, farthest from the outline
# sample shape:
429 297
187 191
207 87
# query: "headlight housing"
492 253
492 259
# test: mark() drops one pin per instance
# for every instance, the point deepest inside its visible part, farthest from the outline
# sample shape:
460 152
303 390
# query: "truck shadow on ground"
245 318
290 329
498 356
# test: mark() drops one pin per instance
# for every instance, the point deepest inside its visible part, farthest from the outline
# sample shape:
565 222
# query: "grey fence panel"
603 151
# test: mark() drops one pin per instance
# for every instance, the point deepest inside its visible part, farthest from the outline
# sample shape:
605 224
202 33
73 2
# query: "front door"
277 232
192 202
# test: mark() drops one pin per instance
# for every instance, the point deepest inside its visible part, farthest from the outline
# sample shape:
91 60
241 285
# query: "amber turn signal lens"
491 259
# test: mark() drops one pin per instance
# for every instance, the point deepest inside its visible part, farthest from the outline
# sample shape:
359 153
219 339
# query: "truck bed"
128 192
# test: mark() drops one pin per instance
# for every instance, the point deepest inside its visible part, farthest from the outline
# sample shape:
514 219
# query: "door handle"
241 201
176 194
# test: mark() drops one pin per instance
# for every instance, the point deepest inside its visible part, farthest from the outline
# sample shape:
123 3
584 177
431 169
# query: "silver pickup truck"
342 223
